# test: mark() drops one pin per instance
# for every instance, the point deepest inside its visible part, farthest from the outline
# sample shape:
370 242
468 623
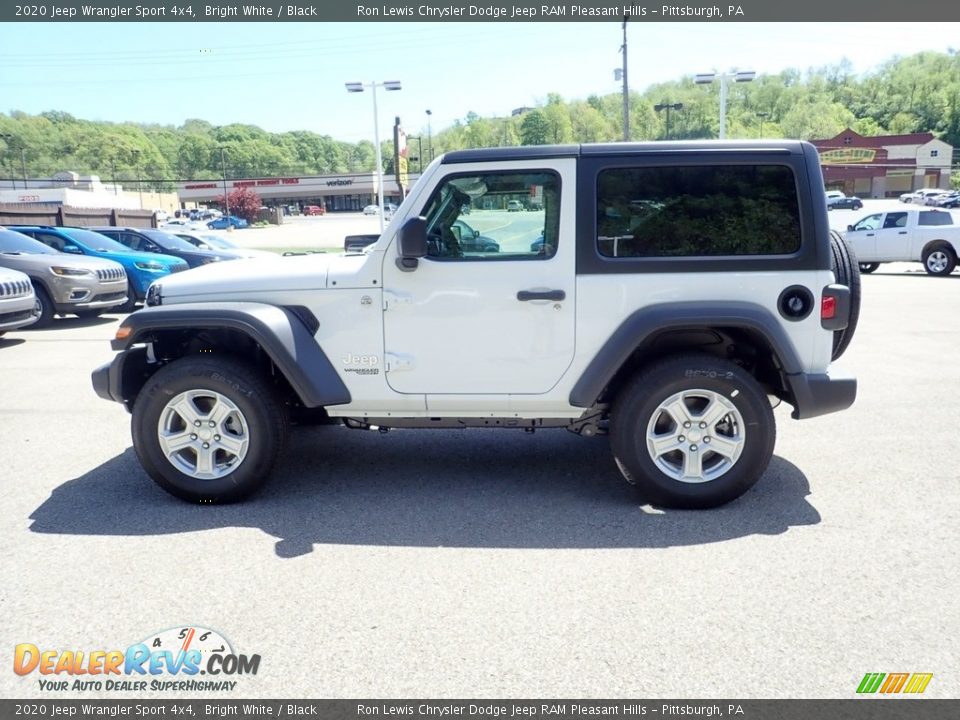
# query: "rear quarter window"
697 211
930 217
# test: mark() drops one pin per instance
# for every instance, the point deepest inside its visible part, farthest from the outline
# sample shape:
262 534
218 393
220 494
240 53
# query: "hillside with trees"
918 93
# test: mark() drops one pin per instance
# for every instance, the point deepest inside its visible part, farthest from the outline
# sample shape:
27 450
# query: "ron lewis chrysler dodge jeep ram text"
664 293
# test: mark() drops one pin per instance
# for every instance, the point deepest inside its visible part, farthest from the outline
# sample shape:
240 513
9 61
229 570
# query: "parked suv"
64 284
163 243
18 304
142 268
686 286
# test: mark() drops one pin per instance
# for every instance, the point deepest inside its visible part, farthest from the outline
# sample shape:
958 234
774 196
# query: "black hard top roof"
533 152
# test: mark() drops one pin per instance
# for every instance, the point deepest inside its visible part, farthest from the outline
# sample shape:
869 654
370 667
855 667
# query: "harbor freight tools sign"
461 11
181 659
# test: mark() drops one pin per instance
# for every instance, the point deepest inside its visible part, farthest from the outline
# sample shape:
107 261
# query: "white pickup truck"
929 236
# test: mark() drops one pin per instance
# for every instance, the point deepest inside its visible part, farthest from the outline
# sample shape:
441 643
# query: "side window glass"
49 240
870 222
131 241
697 211
895 220
494 216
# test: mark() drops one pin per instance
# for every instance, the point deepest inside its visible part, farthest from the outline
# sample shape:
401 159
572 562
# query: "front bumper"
820 394
18 312
112 380
71 294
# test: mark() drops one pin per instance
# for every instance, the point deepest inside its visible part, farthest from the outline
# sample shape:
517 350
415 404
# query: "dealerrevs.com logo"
894 683
190 658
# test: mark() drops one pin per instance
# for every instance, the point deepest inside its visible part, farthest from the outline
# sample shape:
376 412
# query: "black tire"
261 414
47 309
846 271
86 314
637 412
131 303
939 260
867 268
857 205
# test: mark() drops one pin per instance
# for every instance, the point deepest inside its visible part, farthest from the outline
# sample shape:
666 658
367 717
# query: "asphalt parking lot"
494 563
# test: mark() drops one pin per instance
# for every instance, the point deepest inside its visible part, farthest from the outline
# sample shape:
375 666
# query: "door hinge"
392 299
395 362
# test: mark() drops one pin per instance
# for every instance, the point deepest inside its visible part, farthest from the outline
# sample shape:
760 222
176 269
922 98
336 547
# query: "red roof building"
884 165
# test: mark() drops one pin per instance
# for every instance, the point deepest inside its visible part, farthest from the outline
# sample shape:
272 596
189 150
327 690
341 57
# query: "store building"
884 165
334 193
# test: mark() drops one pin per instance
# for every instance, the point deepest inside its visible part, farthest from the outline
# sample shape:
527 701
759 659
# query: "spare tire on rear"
846 271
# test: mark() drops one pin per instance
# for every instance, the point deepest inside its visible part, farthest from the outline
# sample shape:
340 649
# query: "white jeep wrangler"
667 294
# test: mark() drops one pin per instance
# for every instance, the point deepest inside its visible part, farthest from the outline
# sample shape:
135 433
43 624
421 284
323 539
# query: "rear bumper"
820 394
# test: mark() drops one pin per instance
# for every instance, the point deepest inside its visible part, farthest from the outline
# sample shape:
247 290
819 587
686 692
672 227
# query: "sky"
290 76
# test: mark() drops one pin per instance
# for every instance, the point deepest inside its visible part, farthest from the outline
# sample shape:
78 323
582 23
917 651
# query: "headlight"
70 271
150 265
154 296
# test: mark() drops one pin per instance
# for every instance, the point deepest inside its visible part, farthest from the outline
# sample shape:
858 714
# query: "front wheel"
45 307
939 261
693 431
867 268
208 430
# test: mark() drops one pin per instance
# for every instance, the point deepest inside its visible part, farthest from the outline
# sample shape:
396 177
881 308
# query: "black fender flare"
282 332
644 323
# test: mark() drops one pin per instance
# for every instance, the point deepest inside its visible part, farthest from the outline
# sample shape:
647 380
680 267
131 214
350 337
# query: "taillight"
828 307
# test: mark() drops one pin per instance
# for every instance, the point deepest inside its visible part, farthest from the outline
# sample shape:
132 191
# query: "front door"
893 240
490 310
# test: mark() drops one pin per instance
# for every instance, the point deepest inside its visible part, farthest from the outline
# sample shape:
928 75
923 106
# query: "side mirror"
72 249
850 227
412 243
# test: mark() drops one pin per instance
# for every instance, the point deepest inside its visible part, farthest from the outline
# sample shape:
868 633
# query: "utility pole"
626 90
223 166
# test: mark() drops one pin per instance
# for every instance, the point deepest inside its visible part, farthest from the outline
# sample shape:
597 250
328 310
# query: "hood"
250 279
39 263
128 258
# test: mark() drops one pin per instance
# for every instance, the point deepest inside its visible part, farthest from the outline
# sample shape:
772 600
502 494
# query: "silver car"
64 284
18 304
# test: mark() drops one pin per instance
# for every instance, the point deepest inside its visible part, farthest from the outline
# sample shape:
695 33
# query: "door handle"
869 234
527 295
902 232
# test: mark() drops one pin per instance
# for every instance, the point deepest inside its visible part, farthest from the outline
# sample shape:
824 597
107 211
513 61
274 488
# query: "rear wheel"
693 431
85 314
208 430
846 271
867 268
939 260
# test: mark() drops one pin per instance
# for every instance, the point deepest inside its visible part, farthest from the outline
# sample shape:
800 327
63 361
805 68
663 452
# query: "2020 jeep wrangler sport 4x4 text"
667 294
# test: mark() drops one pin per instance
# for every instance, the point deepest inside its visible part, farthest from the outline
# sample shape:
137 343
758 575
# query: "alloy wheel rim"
695 436
203 434
937 261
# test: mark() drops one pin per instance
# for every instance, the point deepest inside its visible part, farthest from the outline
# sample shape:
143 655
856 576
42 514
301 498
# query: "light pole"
419 140
668 107
356 87
223 167
708 78
762 115
8 138
429 135
626 90
23 164
136 163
